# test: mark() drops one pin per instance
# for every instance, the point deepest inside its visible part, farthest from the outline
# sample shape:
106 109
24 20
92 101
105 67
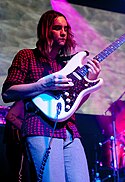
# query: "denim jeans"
66 162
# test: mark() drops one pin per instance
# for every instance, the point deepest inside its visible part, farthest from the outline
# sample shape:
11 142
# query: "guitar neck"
103 54
110 49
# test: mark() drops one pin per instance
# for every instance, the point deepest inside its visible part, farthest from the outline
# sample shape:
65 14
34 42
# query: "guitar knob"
66 94
67 107
68 100
86 84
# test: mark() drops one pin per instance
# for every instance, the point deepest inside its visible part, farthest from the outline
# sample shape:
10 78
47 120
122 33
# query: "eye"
57 27
66 29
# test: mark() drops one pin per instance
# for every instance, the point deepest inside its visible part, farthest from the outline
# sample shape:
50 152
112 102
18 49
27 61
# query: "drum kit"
112 150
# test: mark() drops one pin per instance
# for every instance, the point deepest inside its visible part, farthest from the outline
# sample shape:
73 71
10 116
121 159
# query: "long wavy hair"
43 34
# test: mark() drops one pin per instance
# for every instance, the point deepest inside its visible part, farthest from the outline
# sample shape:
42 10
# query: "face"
59 32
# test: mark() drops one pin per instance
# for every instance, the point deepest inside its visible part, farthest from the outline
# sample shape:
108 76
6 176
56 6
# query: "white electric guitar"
67 102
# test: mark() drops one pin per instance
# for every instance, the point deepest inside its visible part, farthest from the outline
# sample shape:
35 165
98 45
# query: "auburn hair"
43 34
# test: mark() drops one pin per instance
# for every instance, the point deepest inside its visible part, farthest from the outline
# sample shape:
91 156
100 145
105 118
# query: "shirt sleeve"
17 71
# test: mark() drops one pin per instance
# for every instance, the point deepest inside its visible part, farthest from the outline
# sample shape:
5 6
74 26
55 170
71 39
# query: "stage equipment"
116 146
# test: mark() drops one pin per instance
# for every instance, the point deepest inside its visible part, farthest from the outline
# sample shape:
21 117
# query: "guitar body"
69 100
62 104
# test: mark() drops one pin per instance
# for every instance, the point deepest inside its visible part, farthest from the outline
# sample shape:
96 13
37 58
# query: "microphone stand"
114 151
113 141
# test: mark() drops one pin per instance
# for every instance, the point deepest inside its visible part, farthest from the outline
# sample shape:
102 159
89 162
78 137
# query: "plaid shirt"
29 66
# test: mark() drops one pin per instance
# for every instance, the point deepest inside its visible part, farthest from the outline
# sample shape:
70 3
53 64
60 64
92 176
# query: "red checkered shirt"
29 66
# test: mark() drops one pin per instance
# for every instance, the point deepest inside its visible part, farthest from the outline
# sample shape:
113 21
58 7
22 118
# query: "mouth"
62 39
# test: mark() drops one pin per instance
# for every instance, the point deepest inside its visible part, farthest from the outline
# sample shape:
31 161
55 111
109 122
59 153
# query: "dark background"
112 5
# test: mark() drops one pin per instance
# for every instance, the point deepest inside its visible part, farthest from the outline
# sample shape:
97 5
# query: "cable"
20 171
47 152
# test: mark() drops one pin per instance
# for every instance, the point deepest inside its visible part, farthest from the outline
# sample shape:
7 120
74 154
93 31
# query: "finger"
63 86
91 62
96 63
57 80
94 66
91 67
61 78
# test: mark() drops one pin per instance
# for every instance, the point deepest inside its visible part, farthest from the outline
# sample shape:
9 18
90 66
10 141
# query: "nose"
63 32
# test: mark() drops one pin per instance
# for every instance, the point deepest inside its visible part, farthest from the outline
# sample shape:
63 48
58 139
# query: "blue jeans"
66 162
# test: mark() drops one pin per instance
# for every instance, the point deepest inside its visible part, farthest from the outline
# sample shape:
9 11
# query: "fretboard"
103 54
110 49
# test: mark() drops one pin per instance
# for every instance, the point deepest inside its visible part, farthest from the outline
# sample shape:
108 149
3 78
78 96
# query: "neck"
54 52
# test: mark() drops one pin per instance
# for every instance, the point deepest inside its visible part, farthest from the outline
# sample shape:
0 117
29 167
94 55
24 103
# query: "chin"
62 43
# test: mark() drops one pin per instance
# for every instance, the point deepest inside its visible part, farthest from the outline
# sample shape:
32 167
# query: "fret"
115 45
111 48
107 52
83 71
99 58
102 55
